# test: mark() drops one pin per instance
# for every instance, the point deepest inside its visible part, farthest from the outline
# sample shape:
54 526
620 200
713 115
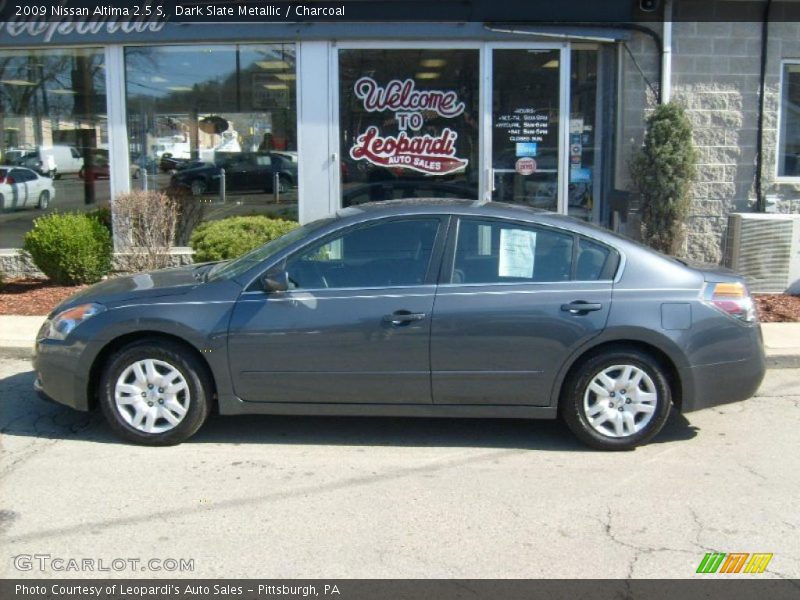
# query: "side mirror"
275 279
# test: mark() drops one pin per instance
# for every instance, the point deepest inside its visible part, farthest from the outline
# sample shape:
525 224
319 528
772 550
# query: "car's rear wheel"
198 187
44 200
155 393
617 400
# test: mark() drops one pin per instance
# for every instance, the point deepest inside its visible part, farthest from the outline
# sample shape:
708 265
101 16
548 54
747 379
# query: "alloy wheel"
152 396
620 401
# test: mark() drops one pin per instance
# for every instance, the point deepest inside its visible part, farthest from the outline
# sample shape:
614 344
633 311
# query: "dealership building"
338 114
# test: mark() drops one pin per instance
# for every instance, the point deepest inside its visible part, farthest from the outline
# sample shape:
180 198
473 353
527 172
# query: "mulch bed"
777 308
33 296
39 297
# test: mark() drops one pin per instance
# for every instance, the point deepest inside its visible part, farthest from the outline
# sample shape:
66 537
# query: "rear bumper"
722 383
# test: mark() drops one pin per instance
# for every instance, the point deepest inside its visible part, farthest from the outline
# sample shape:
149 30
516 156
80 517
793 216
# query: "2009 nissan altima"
411 308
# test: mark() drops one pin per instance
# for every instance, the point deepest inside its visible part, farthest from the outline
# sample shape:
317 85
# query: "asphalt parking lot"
346 497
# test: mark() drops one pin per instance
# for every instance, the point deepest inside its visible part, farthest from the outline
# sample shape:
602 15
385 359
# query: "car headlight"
60 326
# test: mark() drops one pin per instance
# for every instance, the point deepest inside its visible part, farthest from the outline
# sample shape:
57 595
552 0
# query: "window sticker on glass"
517 251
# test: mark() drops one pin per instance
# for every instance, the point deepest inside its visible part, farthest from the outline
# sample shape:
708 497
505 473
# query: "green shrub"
102 214
70 248
663 171
232 237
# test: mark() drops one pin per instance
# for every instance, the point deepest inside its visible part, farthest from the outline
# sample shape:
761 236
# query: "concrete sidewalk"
781 340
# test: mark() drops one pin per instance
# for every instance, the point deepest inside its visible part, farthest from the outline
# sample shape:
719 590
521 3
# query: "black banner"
289 11
734 588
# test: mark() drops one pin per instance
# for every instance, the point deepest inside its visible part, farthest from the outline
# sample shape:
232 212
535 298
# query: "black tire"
283 184
198 187
186 363
82 173
576 391
44 200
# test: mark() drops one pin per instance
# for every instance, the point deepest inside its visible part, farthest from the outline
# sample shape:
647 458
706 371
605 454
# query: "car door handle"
581 307
403 317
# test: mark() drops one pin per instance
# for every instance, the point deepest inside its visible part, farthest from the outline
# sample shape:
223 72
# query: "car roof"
478 208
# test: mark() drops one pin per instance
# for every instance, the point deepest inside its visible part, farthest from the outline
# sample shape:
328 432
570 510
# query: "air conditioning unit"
765 250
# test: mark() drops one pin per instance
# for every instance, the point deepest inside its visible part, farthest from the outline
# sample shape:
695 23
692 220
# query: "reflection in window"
394 253
194 111
409 124
53 123
789 146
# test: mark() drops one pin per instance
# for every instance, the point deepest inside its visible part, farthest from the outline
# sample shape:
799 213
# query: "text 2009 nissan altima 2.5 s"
411 308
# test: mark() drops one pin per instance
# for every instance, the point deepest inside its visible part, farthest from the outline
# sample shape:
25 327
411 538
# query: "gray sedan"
412 308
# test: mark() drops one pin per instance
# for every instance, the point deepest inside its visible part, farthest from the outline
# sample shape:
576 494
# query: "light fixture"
63 91
286 76
16 82
276 86
433 63
427 75
272 65
551 64
157 79
179 88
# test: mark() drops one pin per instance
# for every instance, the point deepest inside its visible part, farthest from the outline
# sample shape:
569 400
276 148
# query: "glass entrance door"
526 110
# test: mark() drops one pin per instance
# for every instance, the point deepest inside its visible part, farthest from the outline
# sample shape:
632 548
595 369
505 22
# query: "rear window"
3 173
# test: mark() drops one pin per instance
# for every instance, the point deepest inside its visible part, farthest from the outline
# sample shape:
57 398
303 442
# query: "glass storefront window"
408 122
196 113
584 153
525 125
54 136
789 143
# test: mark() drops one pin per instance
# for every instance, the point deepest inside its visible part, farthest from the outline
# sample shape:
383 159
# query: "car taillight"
733 299
7 180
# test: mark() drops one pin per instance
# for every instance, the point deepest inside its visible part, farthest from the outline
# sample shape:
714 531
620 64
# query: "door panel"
504 343
332 346
512 312
354 325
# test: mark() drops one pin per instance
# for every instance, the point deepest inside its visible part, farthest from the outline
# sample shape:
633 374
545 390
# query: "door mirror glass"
275 279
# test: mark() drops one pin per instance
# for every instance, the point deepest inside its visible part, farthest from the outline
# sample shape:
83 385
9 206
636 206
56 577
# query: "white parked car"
24 188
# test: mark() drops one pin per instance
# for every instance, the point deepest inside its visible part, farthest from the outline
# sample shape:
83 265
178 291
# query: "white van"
60 160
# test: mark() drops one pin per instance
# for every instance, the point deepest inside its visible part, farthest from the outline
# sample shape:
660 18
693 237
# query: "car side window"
594 261
75 153
505 252
394 253
20 175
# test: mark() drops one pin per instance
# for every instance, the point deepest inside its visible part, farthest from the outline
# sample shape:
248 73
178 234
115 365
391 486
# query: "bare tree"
146 223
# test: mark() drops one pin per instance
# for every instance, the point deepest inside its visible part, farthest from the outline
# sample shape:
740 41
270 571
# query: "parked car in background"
142 163
536 315
24 188
97 168
244 171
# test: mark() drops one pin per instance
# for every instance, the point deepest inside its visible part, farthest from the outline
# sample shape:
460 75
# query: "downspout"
760 203
666 54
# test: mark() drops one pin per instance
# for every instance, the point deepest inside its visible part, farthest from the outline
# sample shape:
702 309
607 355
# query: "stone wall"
715 76
17 263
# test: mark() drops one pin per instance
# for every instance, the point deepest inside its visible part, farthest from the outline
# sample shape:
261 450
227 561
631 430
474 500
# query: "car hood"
153 284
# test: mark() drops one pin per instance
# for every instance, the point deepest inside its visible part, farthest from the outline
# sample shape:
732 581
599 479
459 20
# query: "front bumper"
59 376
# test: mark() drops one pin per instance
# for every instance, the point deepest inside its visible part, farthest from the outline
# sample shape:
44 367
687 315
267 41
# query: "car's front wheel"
617 400
155 393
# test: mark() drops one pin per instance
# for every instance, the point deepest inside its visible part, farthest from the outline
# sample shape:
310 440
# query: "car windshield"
237 266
